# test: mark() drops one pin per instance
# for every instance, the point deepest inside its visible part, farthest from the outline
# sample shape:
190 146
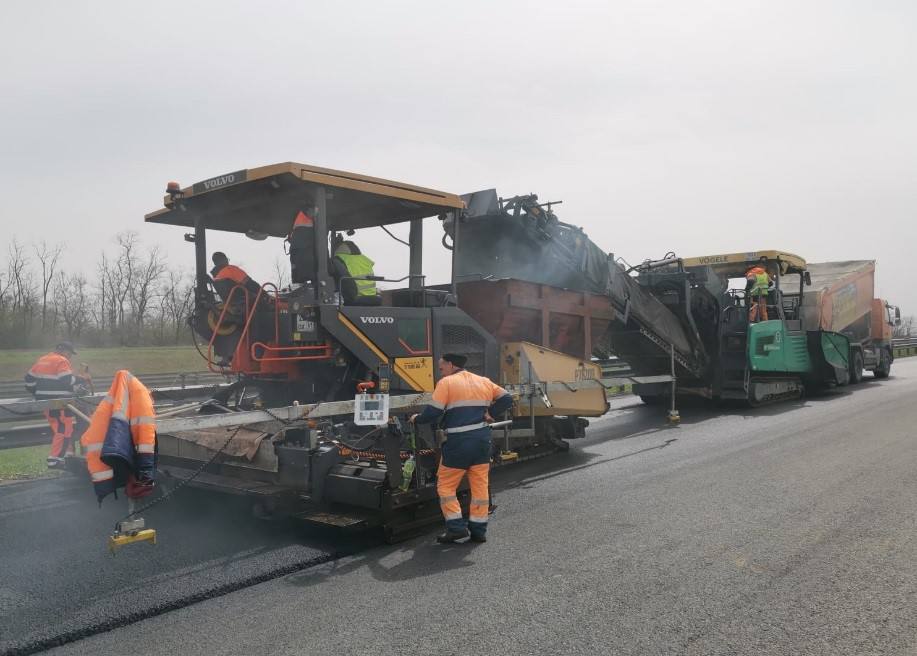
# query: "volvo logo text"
377 319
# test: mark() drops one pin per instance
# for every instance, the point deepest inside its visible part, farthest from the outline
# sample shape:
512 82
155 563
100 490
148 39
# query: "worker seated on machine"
226 276
350 267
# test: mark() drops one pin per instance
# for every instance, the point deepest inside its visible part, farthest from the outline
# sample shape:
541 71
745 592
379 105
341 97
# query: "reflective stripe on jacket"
121 438
462 400
357 267
50 376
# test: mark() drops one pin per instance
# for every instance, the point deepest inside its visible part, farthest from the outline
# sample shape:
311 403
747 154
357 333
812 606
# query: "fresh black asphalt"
782 530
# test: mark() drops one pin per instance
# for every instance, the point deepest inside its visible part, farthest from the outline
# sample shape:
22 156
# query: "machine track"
764 391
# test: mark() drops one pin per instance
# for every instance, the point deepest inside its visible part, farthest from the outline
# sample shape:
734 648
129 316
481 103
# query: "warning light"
174 190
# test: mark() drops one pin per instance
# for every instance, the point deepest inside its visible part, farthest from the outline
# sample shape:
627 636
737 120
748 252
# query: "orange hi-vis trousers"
448 481
758 309
62 423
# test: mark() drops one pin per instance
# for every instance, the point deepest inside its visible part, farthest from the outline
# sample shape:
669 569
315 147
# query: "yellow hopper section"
523 363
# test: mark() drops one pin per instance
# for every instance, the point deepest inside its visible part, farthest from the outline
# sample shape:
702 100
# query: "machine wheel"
856 367
883 369
227 328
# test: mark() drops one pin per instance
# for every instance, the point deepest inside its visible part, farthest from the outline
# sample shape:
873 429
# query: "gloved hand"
137 489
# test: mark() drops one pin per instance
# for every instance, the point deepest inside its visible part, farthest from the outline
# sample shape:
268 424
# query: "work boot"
478 537
55 463
450 537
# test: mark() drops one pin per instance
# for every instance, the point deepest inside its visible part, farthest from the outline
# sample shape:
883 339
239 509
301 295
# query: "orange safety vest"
121 438
233 273
303 220
50 376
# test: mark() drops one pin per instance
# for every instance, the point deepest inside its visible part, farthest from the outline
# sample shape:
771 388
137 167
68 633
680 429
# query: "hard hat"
65 347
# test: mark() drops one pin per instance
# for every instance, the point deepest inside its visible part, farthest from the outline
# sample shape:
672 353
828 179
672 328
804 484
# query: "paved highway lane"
59 581
788 529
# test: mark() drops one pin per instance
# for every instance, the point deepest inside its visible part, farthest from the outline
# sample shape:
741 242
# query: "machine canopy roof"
734 265
266 200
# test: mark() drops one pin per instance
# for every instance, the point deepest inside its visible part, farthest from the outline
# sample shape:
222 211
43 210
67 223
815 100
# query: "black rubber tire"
856 367
883 369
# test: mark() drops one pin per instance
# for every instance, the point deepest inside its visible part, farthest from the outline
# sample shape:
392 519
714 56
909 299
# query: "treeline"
130 298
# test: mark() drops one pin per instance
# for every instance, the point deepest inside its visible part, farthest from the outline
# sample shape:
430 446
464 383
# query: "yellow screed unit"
548 366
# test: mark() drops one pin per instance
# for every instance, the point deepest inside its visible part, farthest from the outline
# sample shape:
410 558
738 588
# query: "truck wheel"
856 367
884 367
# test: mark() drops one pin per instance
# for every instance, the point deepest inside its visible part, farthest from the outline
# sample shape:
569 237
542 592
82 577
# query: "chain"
184 482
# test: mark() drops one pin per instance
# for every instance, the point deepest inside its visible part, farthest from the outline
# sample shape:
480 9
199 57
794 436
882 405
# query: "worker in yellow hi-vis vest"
354 271
756 289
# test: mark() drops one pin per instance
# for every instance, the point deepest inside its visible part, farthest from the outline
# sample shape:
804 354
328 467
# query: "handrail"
326 355
251 313
226 305
383 279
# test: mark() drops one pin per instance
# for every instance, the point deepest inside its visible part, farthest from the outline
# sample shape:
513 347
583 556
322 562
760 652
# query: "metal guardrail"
905 347
18 430
14 389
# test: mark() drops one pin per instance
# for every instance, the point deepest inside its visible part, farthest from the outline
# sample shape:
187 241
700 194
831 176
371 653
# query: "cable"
394 237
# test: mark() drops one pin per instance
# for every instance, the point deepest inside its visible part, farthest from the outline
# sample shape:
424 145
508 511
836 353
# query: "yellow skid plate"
115 542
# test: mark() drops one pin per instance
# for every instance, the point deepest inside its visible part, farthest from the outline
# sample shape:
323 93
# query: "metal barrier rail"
904 347
26 428
13 389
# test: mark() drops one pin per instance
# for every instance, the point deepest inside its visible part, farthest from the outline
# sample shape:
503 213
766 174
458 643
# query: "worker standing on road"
466 402
52 377
756 288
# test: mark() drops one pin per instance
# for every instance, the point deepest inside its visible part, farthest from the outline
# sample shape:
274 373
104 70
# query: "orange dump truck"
842 299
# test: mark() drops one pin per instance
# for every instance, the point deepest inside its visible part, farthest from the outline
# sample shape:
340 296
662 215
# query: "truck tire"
856 367
883 369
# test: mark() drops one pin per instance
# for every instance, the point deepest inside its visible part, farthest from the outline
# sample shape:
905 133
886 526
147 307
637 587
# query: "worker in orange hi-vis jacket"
757 283
466 403
52 377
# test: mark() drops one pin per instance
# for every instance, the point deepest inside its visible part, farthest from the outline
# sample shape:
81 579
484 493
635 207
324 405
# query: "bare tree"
907 327
48 257
119 279
145 275
281 272
22 291
177 294
71 299
5 284
100 308
19 275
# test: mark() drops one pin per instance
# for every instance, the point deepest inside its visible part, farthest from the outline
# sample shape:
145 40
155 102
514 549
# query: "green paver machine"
754 361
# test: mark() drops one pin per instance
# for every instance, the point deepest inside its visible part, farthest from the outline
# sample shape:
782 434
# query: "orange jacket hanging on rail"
120 442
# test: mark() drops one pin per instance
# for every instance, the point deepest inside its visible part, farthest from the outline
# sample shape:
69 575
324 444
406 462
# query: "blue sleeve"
430 414
502 403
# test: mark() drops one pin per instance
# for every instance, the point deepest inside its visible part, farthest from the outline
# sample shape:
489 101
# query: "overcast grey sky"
698 127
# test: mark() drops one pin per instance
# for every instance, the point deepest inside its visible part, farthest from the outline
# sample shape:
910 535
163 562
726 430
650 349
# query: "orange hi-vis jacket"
50 377
233 273
462 400
121 438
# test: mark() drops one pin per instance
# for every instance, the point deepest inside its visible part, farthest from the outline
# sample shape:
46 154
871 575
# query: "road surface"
783 530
